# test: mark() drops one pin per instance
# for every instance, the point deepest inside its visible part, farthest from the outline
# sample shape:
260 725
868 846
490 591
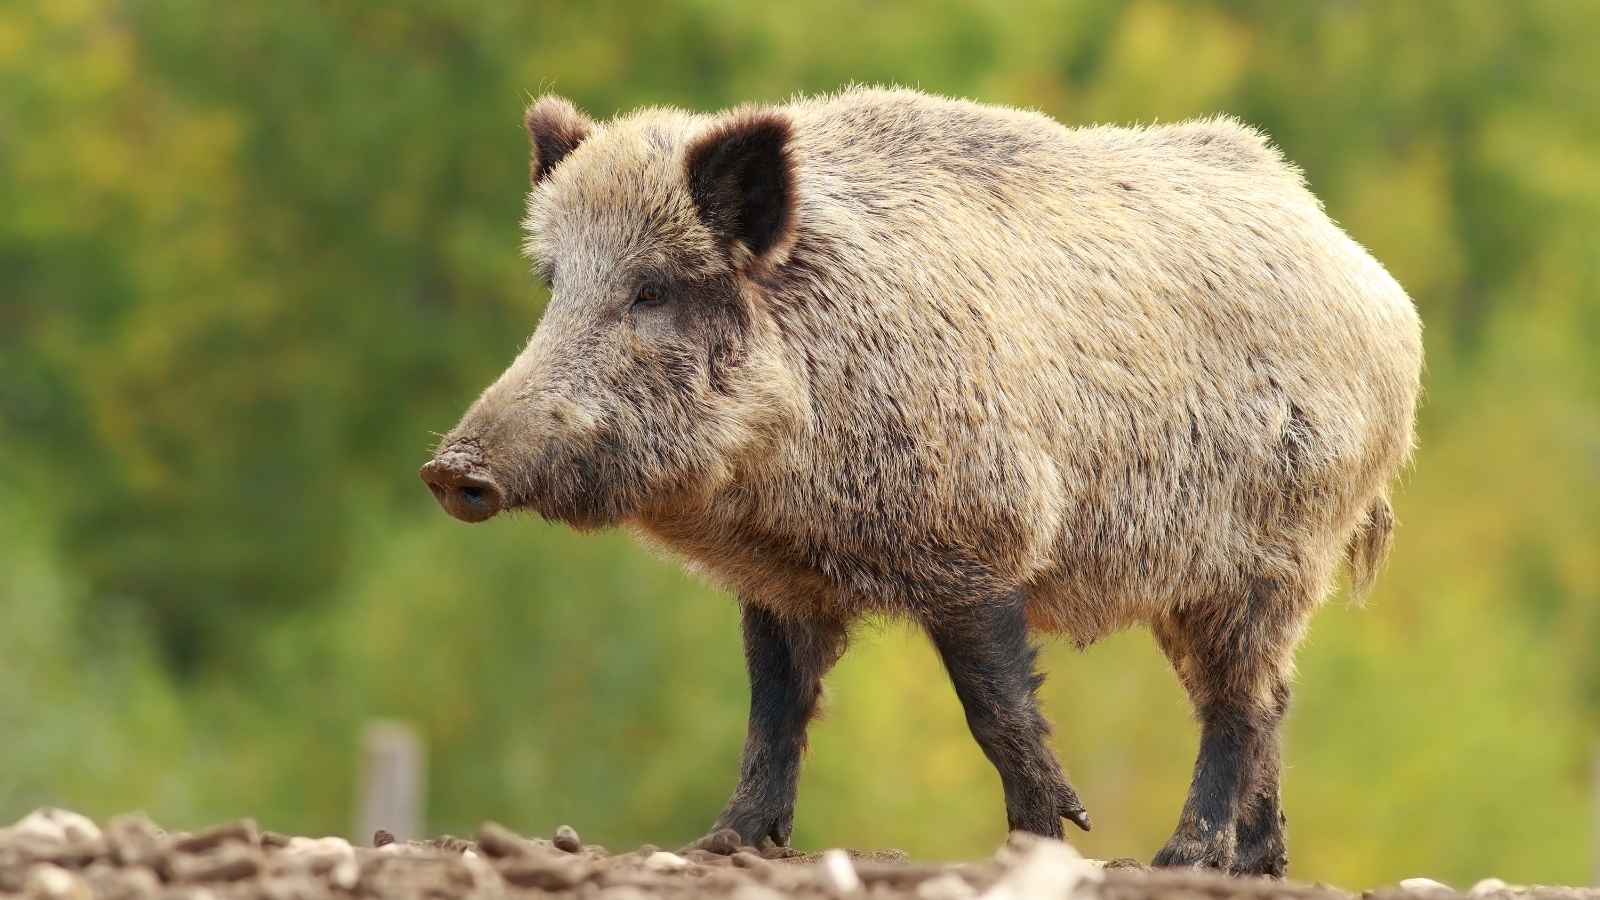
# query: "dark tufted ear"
556 128
742 180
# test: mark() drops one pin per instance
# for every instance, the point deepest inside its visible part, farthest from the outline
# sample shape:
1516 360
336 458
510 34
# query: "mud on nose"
464 490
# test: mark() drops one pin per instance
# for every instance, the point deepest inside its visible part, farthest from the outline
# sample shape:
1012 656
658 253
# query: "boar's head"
656 375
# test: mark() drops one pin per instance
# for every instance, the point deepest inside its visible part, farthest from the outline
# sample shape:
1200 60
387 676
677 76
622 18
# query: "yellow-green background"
252 255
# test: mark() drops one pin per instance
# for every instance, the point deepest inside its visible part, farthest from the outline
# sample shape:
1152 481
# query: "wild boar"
887 353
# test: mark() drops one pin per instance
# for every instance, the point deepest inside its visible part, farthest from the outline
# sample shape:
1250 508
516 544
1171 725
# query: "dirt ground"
57 855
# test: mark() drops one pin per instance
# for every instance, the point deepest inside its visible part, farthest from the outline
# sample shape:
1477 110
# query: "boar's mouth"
569 490
463 487
573 491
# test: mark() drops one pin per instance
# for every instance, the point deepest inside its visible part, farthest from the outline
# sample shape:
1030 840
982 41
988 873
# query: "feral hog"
882 352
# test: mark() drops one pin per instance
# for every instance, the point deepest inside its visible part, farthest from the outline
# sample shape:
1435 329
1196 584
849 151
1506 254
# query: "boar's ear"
556 128
741 177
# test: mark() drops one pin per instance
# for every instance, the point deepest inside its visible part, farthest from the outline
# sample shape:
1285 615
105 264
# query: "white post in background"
393 781
1596 878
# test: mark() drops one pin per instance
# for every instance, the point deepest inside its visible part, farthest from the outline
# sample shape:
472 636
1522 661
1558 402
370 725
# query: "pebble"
232 863
1047 868
838 874
485 879
499 842
1424 886
58 825
558 874
324 846
51 882
566 840
243 831
1488 886
346 874
135 841
662 861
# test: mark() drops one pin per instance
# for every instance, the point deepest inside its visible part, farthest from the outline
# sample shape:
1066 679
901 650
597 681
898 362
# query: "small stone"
60 825
274 839
226 863
648 850
556 874
346 874
946 886
662 861
837 873
1046 868
243 831
1488 886
383 837
1424 886
485 880
50 882
566 840
325 846
135 840
499 842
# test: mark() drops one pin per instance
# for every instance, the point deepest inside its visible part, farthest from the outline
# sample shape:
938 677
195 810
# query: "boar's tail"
1368 546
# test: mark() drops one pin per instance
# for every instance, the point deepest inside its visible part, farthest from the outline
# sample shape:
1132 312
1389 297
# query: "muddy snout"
464 488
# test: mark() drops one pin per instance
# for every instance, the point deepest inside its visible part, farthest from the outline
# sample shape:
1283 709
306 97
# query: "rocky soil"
58 855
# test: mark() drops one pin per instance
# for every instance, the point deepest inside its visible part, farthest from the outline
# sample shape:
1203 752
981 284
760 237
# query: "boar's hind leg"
1263 847
1234 659
985 649
786 657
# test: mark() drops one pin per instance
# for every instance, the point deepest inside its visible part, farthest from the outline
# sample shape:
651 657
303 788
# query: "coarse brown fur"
961 364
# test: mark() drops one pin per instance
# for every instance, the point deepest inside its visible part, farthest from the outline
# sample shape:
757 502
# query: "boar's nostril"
463 489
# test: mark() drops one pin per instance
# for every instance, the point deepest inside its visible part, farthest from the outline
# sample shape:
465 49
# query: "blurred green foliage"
253 254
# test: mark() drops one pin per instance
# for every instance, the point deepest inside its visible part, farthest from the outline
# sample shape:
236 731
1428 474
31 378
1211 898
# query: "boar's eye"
650 294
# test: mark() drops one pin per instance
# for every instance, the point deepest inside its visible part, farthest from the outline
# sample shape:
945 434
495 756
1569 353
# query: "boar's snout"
463 488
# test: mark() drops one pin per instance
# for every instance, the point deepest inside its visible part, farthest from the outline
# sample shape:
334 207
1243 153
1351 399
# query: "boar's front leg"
986 650
787 657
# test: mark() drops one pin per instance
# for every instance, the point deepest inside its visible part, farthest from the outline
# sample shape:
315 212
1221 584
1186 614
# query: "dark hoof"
1078 817
1270 863
1041 812
752 827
